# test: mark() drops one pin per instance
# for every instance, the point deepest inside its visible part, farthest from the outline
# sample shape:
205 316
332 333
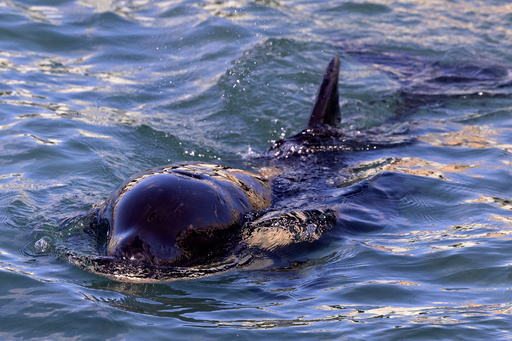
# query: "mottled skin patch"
278 229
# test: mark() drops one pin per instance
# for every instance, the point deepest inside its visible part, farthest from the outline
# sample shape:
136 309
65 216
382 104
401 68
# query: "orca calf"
192 220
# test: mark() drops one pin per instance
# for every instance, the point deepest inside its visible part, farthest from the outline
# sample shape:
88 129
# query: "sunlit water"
94 91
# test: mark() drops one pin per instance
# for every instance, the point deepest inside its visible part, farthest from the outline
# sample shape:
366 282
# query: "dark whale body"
174 215
167 221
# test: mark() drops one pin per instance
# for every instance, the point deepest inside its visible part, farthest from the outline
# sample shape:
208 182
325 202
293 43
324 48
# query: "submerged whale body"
167 221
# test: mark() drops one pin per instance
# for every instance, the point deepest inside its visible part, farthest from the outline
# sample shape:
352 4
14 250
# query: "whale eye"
152 216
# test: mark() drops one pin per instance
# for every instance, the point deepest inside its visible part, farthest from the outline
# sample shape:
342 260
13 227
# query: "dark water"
94 91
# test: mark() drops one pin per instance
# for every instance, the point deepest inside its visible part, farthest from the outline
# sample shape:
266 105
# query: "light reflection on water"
93 92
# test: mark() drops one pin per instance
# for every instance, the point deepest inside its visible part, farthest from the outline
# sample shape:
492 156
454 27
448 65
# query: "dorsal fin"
327 105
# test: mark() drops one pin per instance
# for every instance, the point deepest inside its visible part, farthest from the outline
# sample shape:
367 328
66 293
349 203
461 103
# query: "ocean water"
92 92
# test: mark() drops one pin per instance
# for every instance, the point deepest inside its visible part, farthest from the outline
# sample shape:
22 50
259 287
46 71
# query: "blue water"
95 91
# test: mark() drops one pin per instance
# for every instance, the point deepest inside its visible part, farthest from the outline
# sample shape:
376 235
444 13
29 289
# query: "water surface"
94 91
